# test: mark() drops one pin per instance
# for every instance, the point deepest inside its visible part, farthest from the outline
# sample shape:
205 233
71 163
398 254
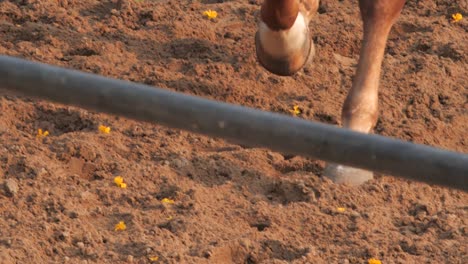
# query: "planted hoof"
347 175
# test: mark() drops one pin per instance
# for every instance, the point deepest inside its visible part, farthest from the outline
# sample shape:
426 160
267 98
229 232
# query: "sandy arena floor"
58 202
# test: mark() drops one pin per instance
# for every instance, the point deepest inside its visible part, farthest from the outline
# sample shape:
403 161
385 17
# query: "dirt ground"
59 202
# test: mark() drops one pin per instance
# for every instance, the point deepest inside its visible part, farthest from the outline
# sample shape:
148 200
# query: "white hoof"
348 175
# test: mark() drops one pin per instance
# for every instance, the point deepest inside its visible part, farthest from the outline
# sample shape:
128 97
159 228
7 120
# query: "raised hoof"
288 65
347 175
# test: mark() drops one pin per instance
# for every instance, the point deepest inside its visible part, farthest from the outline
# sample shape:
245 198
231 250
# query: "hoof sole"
347 175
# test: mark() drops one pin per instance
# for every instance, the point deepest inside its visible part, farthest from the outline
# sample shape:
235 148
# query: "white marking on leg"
284 42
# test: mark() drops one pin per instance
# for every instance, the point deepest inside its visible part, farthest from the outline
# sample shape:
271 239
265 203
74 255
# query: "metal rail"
235 123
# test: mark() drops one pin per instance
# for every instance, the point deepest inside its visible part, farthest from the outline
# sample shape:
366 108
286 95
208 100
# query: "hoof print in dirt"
196 50
169 191
261 225
175 226
62 120
85 51
279 250
422 209
285 192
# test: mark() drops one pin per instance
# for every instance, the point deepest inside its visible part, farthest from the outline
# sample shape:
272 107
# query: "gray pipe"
237 124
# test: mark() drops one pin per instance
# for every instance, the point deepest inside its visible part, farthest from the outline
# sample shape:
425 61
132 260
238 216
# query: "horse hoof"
347 175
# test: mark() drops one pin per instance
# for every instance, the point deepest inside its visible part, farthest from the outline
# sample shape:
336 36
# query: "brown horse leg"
283 43
360 108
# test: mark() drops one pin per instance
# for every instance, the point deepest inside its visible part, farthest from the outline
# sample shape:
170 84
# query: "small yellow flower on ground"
104 129
295 111
42 134
155 258
120 226
374 261
167 200
119 182
341 209
457 17
210 14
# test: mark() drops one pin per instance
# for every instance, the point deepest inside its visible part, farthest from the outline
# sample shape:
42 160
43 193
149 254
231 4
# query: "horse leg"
360 109
283 43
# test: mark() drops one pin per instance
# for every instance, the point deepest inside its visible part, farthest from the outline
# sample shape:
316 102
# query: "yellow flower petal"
155 258
41 133
120 226
118 180
295 111
104 129
457 17
167 200
123 185
341 209
210 14
374 261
